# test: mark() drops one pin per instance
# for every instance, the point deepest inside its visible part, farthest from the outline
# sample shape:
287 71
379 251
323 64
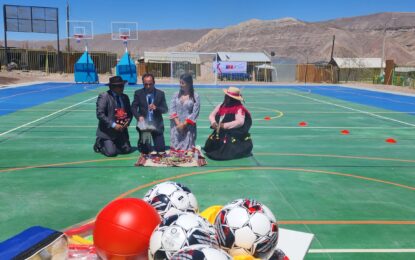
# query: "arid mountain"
302 41
288 38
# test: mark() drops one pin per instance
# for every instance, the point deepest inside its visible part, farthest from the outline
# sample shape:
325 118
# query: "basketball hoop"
124 38
78 37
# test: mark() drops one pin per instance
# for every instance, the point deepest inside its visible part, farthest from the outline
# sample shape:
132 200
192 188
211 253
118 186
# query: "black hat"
116 81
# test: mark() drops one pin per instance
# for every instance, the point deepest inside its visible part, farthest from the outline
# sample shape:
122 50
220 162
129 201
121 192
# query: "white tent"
266 67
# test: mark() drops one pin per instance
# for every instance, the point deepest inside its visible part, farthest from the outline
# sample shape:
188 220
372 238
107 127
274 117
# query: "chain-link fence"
404 76
207 68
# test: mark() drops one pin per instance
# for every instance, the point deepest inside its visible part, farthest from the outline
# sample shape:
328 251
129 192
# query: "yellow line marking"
289 222
337 156
260 168
64 164
279 113
258 154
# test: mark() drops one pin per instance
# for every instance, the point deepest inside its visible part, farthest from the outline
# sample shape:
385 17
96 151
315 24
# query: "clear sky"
195 14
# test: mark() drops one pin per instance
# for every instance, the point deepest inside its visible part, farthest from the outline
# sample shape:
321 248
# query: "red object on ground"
391 140
302 123
123 229
79 230
267 118
345 132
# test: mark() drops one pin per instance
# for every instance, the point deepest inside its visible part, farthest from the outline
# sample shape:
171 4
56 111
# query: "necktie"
118 98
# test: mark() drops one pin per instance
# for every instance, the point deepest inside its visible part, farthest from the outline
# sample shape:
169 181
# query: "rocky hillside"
291 38
288 38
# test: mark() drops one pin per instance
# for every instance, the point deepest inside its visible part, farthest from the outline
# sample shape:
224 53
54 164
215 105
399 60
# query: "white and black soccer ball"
178 231
278 254
247 227
201 252
170 198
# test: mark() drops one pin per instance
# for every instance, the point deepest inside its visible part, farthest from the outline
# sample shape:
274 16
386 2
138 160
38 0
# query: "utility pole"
332 48
383 45
68 42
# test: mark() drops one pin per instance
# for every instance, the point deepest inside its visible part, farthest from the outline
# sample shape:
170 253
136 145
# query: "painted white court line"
353 109
30 92
253 127
374 250
43 117
374 97
263 110
380 90
24 84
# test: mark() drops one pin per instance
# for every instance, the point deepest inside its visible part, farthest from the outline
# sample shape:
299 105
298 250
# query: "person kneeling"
231 122
114 116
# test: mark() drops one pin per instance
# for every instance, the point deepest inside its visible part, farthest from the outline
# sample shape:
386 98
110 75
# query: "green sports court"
334 161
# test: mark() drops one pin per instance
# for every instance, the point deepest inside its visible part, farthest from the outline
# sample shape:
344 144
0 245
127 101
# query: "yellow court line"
286 222
337 156
279 113
258 154
64 164
261 168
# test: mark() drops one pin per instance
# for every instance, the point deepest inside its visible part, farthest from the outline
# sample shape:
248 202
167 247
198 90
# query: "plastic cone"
302 123
391 140
267 118
345 132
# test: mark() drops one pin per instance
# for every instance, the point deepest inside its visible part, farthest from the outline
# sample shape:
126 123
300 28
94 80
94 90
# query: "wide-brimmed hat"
234 93
116 81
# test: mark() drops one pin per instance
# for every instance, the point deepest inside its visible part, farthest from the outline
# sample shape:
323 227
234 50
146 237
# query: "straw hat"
234 93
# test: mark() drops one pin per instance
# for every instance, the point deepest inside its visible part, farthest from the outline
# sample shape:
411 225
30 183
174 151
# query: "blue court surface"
16 98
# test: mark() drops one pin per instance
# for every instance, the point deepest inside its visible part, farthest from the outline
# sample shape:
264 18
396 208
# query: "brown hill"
288 38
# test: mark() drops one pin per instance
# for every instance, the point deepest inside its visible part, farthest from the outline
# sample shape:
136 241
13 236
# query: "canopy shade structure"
265 66
84 70
126 69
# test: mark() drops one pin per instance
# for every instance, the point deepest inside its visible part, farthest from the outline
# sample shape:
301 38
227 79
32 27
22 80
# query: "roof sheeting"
359 63
405 69
265 66
167 57
244 56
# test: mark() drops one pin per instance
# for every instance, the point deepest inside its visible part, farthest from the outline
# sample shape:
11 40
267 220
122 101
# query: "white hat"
234 93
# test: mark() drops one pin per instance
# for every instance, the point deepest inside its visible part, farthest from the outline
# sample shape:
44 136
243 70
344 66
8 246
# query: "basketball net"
78 38
124 38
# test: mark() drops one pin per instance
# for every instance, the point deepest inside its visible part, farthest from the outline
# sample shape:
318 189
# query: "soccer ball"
278 254
247 227
200 252
170 198
178 231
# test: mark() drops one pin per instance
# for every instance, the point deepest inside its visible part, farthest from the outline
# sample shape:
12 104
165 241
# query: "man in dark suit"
148 106
114 116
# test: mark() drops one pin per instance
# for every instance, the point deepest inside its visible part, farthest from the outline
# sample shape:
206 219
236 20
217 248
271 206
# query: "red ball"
123 229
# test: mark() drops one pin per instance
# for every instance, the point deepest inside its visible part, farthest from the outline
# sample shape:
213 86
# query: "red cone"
345 132
391 140
302 123
267 118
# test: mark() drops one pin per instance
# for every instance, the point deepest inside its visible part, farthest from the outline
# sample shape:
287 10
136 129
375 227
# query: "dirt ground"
19 77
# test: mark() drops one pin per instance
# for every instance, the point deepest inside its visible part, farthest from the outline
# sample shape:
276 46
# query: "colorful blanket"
173 158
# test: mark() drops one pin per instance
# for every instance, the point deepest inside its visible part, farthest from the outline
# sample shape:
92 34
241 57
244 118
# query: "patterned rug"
173 158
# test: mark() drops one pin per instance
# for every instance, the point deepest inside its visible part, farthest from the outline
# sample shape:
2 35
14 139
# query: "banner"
229 67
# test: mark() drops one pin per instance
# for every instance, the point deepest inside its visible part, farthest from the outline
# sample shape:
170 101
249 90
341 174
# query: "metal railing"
47 61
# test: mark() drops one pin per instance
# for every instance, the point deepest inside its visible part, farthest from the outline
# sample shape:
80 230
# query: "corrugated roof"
244 56
405 69
359 63
167 57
